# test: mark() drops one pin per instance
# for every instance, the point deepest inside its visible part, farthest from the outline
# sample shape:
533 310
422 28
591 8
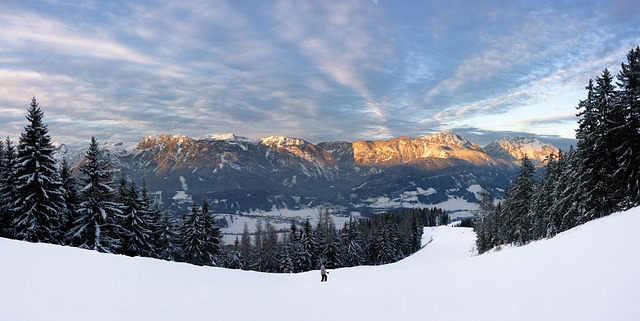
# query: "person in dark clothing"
323 273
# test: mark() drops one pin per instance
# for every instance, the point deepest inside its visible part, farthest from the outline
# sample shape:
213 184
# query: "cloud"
327 70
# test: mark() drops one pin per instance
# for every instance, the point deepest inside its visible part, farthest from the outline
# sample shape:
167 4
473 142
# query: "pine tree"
39 197
285 257
98 213
233 259
135 230
484 225
300 257
270 249
567 192
384 246
628 153
308 259
517 205
212 233
7 188
167 240
541 204
71 197
201 239
257 260
327 241
596 152
245 248
352 254
194 238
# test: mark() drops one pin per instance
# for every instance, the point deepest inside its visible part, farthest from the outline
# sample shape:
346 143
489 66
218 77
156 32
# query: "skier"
323 273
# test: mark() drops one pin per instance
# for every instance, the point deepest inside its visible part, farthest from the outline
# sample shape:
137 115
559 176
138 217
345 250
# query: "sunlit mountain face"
240 175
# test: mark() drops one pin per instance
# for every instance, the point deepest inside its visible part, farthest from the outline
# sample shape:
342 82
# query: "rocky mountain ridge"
240 175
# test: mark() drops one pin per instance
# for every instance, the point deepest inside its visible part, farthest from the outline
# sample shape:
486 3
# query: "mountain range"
242 175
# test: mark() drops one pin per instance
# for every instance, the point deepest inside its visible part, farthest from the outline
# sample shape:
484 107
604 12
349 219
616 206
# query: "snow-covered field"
589 273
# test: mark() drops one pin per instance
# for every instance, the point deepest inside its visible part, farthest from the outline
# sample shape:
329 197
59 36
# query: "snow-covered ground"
589 273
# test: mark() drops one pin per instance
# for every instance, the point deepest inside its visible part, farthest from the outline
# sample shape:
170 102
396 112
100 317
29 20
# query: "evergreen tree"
417 231
484 225
245 248
212 233
384 245
71 197
352 254
300 257
201 239
167 238
135 232
285 256
517 205
7 188
308 242
39 196
194 239
327 242
270 255
567 192
233 260
257 253
540 212
596 152
98 213
628 153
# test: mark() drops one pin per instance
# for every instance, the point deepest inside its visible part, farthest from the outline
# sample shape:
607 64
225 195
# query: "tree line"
381 239
598 177
41 201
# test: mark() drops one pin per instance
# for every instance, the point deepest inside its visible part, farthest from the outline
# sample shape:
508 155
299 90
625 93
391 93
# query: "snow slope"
589 273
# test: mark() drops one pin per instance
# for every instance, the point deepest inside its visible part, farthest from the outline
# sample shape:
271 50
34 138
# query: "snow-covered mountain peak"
283 141
119 148
231 137
515 148
448 138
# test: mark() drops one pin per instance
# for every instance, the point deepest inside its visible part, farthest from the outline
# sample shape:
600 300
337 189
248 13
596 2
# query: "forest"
598 177
42 201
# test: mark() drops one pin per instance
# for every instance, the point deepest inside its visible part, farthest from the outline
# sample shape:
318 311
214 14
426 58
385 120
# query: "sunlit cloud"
326 70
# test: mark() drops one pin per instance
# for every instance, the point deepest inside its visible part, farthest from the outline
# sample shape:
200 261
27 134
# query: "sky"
322 70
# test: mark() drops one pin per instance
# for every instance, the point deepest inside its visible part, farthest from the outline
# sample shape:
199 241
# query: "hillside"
587 273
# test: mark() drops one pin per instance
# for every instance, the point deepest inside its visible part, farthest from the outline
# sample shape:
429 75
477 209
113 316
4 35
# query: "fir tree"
98 213
384 246
597 162
308 245
540 212
212 232
352 254
245 248
517 205
194 238
201 239
270 250
257 260
628 153
7 188
71 197
327 241
39 196
300 257
135 230
167 238
285 257
484 225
